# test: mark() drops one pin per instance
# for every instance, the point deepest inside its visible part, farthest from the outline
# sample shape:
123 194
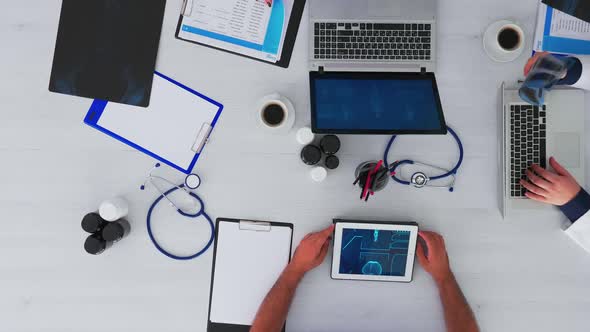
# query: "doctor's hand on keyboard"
557 188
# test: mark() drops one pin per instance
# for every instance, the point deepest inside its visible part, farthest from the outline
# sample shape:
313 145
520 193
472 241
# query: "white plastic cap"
113 209
305 136
318 174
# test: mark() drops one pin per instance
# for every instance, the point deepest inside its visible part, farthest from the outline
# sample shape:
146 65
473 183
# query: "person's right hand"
436 262
529 65
554 188
312 250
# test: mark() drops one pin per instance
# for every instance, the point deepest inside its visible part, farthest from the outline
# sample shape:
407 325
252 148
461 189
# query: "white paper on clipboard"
168 127
247 264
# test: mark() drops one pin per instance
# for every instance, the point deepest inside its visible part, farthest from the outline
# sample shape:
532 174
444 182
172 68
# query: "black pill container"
311 155
332 162
95 244
93 223
116 230
330 144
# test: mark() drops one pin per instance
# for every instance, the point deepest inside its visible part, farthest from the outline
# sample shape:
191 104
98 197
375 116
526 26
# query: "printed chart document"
559 32
249 27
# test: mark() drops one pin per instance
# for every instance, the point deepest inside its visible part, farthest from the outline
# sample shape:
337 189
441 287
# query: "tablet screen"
374 252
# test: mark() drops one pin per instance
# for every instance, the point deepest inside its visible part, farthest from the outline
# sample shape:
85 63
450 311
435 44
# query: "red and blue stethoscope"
421 179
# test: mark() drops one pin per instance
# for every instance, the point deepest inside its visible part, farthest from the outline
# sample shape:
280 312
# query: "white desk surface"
518 275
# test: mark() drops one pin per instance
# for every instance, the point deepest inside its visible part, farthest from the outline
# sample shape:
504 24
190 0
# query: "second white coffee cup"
503 41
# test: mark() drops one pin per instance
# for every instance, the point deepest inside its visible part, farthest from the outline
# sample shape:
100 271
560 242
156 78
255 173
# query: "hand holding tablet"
312 250
432 255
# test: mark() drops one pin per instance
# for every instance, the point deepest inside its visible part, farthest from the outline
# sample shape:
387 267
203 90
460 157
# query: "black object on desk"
330 144
93 223
576 8
106 49
96 245
311 155
332 162
116 230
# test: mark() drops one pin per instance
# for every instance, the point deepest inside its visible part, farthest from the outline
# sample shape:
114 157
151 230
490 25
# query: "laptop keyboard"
527 143
372 41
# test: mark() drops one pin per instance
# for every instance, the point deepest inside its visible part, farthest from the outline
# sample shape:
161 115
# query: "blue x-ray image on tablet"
374 252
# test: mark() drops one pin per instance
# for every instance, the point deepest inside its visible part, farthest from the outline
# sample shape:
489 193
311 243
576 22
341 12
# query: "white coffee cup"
503 41
275 113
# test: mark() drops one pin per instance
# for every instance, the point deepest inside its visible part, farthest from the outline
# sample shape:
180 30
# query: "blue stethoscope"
192 181
420 179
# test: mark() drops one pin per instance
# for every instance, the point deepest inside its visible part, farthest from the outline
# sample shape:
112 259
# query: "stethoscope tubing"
450 172
199 213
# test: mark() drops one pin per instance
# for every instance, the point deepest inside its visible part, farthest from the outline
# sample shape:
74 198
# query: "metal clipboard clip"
187 8
256 226
202 138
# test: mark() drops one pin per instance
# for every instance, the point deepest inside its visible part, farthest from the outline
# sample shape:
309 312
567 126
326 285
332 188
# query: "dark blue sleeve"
574 71
577 207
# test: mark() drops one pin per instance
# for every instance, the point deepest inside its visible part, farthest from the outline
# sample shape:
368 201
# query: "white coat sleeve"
579 231
584 80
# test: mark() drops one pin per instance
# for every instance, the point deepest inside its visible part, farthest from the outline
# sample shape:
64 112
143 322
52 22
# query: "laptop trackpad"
567 149
384 8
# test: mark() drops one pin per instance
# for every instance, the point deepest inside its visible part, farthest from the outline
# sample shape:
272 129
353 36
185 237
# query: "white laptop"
372 67
534 134
373 35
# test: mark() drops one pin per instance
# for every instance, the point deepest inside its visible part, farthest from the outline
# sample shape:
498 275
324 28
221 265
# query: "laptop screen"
376 103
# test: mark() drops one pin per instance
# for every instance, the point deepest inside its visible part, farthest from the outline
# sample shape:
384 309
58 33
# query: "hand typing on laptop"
312 251
557 188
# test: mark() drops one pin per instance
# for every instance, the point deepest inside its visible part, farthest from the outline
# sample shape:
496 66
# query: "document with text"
249 27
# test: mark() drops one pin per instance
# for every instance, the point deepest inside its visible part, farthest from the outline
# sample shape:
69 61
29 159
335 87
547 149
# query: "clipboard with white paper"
173 129
248 28
248 259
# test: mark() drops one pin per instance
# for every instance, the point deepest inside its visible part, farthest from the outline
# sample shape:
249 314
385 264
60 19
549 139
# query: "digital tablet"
368 250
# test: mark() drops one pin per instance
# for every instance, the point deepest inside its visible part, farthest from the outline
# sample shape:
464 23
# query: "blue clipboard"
174 129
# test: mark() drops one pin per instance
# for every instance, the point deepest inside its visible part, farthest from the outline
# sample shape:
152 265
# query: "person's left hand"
312 250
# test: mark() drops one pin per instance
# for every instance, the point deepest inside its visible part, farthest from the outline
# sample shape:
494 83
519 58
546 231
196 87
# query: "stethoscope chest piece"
192 181
419 179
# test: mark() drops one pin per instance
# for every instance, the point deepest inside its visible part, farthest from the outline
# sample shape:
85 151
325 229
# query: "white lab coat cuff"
584 81
579 231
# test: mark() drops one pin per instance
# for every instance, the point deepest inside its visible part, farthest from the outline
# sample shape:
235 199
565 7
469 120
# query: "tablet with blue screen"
374 251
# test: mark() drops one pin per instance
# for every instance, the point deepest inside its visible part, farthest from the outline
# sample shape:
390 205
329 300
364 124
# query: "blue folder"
173 129
560 44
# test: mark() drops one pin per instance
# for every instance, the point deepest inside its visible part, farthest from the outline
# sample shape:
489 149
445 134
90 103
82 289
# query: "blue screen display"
374 252
376 104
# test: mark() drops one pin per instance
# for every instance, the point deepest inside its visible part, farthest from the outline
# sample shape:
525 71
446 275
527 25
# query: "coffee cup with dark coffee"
273 114
509 38
503 41
276 113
